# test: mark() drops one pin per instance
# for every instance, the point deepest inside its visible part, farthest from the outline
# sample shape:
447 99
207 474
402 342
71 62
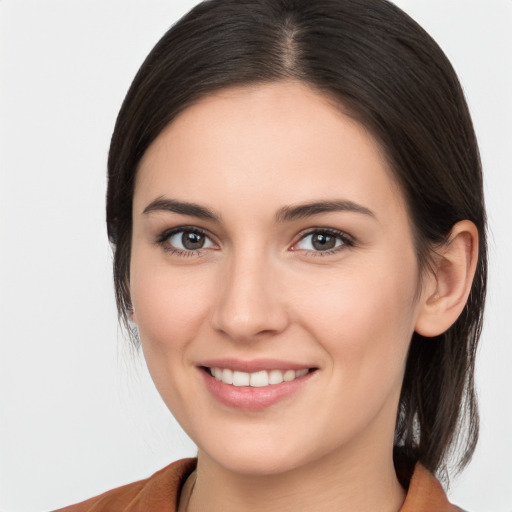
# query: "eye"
186 240
324 240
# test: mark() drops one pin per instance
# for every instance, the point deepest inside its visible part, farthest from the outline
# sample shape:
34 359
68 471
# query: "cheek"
364 317
169 310
169 305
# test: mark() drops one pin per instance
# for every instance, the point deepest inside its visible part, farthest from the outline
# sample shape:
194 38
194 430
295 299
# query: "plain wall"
78 411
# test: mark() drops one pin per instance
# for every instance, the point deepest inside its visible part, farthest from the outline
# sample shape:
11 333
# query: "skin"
259 289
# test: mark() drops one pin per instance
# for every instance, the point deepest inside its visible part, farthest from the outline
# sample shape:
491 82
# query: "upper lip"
254 365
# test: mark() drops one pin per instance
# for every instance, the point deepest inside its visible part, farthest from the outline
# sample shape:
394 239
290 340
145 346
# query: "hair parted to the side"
384 70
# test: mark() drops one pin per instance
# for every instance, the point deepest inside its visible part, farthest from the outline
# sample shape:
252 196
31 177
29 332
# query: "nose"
249 305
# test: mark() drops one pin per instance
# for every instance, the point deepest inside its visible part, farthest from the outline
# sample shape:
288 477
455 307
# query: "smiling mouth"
259 379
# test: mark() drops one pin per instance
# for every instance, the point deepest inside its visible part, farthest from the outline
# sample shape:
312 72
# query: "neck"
331 483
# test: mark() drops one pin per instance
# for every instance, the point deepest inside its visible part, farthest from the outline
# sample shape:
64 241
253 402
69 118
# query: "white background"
78 412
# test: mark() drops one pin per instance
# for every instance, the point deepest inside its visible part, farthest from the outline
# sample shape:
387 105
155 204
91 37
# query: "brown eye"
192 240
188 240
323 241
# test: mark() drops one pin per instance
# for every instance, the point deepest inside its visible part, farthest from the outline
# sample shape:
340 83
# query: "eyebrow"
289 213
181 207
285 214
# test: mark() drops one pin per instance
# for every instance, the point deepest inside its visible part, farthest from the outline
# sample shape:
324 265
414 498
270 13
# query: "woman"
295 205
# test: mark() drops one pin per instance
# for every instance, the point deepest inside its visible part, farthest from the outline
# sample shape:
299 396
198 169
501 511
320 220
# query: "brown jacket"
160 493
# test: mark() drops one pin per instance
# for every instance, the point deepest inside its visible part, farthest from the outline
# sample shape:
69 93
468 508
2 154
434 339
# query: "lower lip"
252 398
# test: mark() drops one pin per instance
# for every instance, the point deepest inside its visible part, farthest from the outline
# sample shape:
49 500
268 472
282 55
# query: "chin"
250 455
260 457
261 464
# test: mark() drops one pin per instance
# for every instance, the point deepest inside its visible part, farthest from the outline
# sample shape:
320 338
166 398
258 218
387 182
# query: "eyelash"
163 241
346 240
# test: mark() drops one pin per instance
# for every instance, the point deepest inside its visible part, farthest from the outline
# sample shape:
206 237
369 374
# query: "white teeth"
241 378
256 379
259 379
288 375
227 376
275 377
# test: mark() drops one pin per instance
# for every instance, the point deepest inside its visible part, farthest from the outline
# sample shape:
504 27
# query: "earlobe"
450 284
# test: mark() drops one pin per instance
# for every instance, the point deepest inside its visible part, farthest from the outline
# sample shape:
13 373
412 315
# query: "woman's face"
272 246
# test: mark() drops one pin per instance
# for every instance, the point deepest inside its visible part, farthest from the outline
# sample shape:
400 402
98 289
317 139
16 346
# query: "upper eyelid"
330 231
334 231
166 233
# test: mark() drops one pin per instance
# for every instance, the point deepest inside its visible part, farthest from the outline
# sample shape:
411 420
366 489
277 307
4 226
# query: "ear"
447 289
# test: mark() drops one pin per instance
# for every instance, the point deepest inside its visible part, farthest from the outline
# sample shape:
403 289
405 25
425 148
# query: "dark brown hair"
384 70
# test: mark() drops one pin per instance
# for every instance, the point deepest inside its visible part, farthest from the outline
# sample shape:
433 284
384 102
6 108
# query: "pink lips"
248 397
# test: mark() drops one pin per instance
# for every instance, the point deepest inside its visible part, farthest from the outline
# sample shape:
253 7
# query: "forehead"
282 141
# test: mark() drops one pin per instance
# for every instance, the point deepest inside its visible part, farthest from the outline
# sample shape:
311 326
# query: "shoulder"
426 494
158 492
